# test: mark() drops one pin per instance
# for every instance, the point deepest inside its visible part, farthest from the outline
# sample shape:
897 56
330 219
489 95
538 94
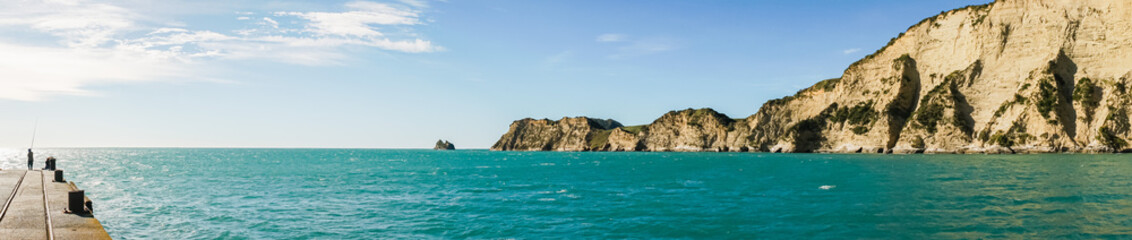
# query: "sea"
479 194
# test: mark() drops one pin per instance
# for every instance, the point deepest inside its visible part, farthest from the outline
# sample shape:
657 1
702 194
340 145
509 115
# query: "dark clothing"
30 160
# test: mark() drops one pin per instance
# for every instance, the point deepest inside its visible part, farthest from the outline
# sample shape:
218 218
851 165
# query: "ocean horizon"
959 119
171 193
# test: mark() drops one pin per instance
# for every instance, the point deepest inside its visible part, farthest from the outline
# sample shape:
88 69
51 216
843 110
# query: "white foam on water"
692 183
827 187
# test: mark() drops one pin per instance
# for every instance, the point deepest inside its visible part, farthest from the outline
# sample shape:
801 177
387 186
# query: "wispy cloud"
78 24
356 22
636 46
850 51
33 73
271 22
556 59
645 46
415 3
612 37
98 43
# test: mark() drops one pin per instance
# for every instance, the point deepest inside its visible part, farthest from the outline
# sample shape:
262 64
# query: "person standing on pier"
30 158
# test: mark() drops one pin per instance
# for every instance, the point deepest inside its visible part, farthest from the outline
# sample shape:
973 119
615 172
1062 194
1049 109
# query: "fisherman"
50 164
30 158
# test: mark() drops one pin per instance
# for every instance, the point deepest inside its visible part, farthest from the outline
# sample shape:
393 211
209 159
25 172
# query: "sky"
404 73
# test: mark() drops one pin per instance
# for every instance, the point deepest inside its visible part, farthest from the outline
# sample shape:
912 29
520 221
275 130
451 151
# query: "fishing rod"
33 131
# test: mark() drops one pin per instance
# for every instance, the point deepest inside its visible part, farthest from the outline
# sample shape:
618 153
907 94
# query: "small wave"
693 183
547 199
481 190
827 187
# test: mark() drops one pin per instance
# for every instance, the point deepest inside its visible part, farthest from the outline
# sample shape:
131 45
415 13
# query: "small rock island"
444 145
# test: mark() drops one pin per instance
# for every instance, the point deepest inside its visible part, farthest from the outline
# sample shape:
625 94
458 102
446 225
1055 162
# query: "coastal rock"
621 140
1018 76
566 134
691 130
444 145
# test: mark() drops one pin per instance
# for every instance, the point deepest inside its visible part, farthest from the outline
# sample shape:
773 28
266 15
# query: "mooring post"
59 175
75 201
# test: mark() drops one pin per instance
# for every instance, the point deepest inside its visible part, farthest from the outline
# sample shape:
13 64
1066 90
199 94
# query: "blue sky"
401 74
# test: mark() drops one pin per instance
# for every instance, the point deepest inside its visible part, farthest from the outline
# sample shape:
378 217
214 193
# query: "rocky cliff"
1012 76
567 134
690 130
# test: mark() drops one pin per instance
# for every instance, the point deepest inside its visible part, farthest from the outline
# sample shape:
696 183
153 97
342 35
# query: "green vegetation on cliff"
861 114
1047 97
599 138
1108 138
944 97
635 129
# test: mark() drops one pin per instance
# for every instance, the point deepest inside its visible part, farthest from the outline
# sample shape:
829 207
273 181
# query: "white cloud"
415 3
644 47
91 43
358 26
79 24
557 59
356 22
271 22
637 46
612 37
34 73
850 51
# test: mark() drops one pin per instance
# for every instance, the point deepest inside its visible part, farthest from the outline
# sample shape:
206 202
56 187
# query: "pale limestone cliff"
621 140
1013 76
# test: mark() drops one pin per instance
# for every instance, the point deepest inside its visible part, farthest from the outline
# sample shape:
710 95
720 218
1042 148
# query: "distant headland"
1023 76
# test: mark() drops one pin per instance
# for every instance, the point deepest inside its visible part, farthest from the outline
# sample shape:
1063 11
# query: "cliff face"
690 130
1010 76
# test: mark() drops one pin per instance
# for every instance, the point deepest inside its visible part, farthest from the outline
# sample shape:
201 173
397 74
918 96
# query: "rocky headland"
1012 76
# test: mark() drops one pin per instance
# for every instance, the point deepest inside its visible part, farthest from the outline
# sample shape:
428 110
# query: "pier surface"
33 208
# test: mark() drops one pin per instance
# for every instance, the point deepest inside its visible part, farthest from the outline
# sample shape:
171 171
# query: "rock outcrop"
691 130
444 145
1012 76
567 134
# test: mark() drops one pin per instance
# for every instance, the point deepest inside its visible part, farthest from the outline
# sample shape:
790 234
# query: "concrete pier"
35 207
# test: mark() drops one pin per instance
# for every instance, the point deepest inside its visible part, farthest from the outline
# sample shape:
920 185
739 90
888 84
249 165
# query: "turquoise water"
423 194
